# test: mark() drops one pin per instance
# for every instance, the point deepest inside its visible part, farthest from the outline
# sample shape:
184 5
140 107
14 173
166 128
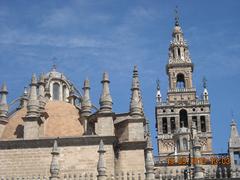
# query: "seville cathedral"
57 133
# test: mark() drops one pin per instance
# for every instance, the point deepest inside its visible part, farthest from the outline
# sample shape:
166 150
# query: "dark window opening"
64 93
194 120
179 53
164 125
183 118
173 125
237 158
56 88
180 81
203 123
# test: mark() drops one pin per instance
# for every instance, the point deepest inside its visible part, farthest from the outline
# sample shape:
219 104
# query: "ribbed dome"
63 120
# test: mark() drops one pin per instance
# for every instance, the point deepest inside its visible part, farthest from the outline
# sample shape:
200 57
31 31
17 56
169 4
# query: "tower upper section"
179 67
178 50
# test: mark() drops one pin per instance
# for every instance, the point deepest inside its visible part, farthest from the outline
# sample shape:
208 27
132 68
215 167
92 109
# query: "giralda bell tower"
182 108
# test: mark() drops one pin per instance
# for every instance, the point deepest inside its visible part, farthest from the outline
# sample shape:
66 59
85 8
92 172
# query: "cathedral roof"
62 121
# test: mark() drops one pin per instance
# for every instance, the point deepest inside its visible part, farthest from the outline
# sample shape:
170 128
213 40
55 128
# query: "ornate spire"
178 50
136 101
105 99
54 167
86 101
101 167
158 95
135 75
33 103
3 102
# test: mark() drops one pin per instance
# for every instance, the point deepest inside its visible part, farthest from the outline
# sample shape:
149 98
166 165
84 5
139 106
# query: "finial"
204 82
4 88
86 101
233 120
24 98
3 102
34 80
135 71
41 78
105 99
158 84
55 147
33 103
136 108
176 16
54 66
101 168
86 83
158 95
25 91
232 114
54 167
101 147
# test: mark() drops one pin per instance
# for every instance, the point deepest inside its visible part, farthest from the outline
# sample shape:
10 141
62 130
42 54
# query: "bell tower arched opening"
183 118
180 81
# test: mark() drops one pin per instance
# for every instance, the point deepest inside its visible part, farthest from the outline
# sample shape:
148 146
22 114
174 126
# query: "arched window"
185 144
56 88
164 125
180 81
64 93
183 118
203 123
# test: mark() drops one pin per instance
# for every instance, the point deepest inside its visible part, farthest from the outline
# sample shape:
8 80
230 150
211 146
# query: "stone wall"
36 161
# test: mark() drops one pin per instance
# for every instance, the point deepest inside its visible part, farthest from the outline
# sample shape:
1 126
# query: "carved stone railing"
182 90
130 175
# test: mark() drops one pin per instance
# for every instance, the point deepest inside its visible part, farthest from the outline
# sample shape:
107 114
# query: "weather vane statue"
176 16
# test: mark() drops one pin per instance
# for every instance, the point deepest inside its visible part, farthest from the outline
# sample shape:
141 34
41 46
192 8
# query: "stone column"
54 167
198 124
169 125
177 122
101 167
159 125
198 170
208 123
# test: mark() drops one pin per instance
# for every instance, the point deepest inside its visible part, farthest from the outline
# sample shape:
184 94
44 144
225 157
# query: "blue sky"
90 37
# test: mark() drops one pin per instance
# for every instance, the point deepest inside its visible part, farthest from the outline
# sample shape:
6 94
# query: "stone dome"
63 121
